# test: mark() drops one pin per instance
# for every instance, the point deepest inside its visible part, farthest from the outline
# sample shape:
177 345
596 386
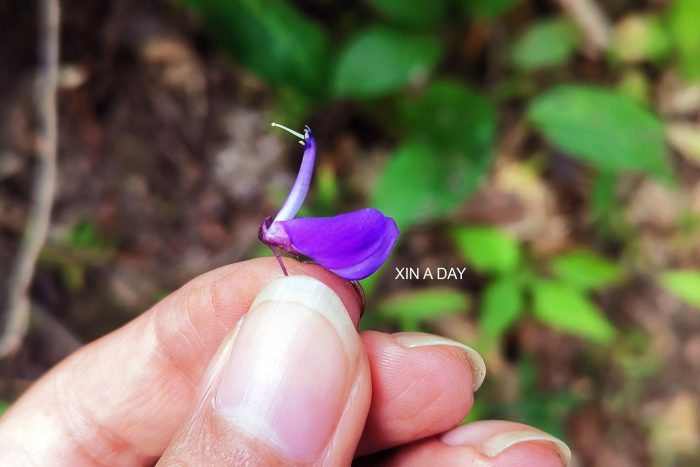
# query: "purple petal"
295 198
352 245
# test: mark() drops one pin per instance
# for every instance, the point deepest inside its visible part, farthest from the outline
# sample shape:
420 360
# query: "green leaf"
488 249
418 166
487 8
586 270
568 309
412 12
419 184
685 284
501 305
380 60
409 308
452 117
448 155
684 27
546 44
271 39
603 128
85 235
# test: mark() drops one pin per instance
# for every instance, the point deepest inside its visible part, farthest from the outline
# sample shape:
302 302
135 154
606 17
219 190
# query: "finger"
119 400
291 385
422 385
490 443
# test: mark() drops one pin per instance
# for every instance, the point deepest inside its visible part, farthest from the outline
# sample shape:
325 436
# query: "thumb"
290 385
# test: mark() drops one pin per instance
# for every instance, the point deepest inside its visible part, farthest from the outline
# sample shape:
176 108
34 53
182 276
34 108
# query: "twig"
18 301
592 21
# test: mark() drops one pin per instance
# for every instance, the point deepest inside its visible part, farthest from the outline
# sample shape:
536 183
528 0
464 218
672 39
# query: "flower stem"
279 259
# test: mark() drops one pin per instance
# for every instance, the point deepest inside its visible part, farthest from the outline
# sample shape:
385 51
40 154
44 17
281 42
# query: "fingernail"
414 339
290 367
498 443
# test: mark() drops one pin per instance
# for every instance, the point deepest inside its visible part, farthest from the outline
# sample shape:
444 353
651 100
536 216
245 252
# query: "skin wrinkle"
195 339
76 421
403 420
425 409
213 289
166 363
408 419
164 342
396 400
163 355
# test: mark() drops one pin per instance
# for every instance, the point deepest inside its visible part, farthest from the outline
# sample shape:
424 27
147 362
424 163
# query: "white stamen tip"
295 133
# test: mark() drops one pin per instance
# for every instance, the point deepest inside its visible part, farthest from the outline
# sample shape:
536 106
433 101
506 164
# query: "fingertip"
510 443
417 391
421 339
482 443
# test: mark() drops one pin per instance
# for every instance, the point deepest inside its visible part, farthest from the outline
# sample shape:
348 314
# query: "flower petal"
296 196
352 245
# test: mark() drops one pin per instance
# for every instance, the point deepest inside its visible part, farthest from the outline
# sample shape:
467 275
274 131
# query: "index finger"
120 399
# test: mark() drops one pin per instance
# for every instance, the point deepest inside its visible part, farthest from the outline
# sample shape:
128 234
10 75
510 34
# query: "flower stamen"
295 133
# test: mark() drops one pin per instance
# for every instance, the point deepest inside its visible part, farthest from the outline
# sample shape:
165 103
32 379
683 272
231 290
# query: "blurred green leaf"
452 117
487 8
501 304
410 308
684 27
568 309
488 249
635 85
685 284
272 39
603 196
602 127
419 13
85 235
327 189
419 183
586 270
446 158
4 405
380 60
640 37
546 44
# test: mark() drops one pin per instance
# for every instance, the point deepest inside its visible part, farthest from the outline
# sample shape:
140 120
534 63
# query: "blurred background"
550 147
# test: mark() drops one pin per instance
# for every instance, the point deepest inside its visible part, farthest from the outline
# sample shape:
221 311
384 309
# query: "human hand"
292 382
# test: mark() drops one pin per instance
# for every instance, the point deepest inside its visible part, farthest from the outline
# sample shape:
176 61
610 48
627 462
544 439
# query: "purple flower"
352 245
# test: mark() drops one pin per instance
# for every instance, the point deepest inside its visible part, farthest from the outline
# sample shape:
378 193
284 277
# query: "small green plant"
412 309
561 299
685 284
